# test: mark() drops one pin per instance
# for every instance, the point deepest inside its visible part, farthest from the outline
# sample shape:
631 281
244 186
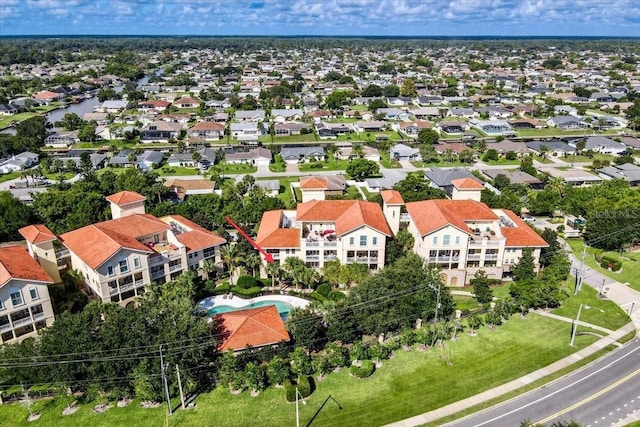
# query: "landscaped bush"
317 297
336 296
289 391
304 386
246 293
364 370
324 290
608 261
316 165
246 282
222 289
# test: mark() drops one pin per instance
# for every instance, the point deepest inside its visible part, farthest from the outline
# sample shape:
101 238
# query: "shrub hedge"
222 289
246 282
364 370
303 385
246 293
324 290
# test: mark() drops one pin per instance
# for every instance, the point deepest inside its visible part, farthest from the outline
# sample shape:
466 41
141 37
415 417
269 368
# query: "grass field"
330 165
630 271
9 176
409 384
176 171
386 161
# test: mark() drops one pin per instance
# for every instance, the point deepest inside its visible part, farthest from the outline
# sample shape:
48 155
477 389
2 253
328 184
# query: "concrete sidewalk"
464 404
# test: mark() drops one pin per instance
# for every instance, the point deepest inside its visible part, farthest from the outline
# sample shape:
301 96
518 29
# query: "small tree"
300 362
481 287
428 136
277 371
358 352
337 354
320 366
490 155
254 377
474 322
525 267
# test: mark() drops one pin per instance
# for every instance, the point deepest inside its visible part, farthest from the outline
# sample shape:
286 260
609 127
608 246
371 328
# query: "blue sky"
322 17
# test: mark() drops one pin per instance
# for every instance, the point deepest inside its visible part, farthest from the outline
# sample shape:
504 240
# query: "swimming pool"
283 307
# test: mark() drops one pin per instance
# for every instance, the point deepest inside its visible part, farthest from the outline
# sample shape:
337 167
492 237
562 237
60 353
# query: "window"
435 240
110 271
374 241
124 267
446 240
457 240
16 298
33 293
352 240
136 262
363 240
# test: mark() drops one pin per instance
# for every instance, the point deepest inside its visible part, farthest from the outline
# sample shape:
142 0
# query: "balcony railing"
173 268
22 322
157 274
473 257
318 243
38 316
484 242
491 256
5 327
156 259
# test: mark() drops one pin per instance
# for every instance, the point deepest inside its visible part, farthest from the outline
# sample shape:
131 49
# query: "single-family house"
452 127
186 102
160 131
370 126
567 122
553 147
294 155
516 177
574 176
208 131
286 115
404 152
492 127
319 187
181 159
188 187
246 131
627 171
250 115
393 113
290 128
444 179
601 144
259 156
113 106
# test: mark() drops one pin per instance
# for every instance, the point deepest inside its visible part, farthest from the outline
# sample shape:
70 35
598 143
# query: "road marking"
492 420
590 398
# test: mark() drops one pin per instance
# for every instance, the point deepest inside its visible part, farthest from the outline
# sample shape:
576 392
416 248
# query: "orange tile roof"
38 233
16 263
467 184
136 226
347 214
392 197
96 243
270 235
312 183
253 327
431 215
125 197
521 235
195 237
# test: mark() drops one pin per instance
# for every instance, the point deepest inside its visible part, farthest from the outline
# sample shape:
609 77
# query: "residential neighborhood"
198 223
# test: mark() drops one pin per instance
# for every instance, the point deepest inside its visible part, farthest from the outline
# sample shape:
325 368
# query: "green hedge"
246 282
364 370
223 288
303 385
317 297
246 293
324 290
608 261
336 296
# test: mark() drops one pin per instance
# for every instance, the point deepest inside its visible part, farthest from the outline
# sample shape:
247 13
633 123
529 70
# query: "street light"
304 402
435 319
575 322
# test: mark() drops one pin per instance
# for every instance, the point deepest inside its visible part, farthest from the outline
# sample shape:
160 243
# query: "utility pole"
180 386
579 273
164 380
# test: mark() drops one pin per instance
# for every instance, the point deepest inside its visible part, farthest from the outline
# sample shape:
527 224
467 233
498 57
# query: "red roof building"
254 327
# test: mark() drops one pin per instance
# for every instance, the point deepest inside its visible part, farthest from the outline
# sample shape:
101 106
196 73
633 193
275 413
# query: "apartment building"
318 231
25 305
464 235
117 258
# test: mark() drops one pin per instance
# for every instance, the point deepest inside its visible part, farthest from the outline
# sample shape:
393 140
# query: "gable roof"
125 197
192 235
38 233
271 235
252 327
431 215
16 263
445 177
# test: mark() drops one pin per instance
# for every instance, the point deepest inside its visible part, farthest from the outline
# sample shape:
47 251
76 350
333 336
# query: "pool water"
282 307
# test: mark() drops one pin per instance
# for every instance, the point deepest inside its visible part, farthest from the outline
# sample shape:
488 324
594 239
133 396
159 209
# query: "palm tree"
208 266
580 146
231 256
293 266
196 157
544 149
274 270
449 155
558 186
252 260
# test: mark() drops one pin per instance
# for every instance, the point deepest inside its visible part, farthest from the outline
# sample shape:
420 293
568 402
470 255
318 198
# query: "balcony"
176 267
156 259
157 274
491 257
22 322
313 257
473 257
5 327
139 282
38 316
483 242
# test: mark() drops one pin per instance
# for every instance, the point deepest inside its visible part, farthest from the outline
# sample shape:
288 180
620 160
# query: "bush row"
365 369
303 385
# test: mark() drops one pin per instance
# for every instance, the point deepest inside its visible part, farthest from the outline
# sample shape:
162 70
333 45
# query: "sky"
322 17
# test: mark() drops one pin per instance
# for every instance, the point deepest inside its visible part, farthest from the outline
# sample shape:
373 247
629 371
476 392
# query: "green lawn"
586 159
9 176
552 131
602 312
501 161
310 137
541 159
285 193
440 163
177 171
630 271
227 168
5 121
409 384
330 165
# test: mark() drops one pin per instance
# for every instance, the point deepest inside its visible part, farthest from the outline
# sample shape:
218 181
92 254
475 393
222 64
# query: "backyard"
409 384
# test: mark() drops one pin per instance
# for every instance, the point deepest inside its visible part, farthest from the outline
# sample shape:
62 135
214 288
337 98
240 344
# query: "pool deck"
237 302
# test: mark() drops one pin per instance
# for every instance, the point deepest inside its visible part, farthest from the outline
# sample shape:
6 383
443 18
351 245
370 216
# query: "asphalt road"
600 394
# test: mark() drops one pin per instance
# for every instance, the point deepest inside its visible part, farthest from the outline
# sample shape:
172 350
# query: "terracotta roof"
467 184
309 183
392 197
253 327
16 263
45 94
125 197
96 243
431 215
38 233
195 237
347 214
521 235
270 235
